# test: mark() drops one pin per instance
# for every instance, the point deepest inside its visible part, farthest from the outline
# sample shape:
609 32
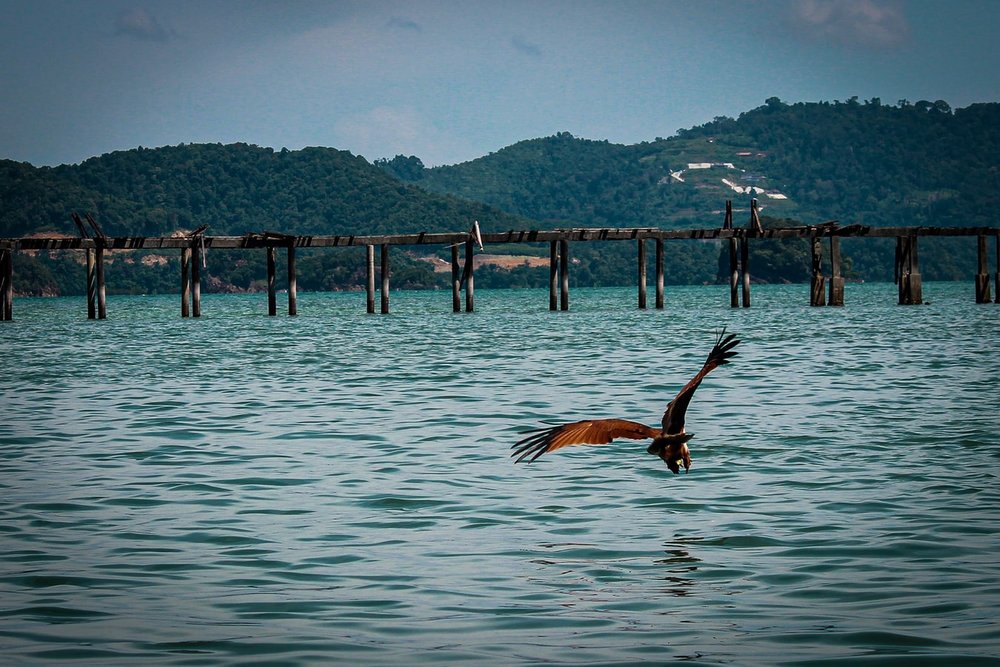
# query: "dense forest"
234 189
917 163
866 162
909 164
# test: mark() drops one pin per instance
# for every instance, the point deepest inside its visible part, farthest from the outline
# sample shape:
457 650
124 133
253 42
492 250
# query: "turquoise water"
336 488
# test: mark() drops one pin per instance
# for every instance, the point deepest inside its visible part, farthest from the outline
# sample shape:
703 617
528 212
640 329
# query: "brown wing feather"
586 432
673 418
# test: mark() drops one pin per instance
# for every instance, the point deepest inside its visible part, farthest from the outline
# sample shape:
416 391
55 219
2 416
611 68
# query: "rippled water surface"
336 487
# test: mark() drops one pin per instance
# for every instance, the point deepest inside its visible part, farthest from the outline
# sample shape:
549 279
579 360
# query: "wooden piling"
734 273
272 296
384 252
915 281
659 274
982 271
817 296
293 284
470 276
745 268
910 283
370 282
185 282
6 285
897 261
102 303
734 267
563 274
902 261
755 225
836 279
996 285
553 275
641 266
91 286
196 259
456 282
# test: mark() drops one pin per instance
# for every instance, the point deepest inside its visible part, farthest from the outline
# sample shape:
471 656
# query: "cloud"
524 46
870 23
403 24
140 24
388 131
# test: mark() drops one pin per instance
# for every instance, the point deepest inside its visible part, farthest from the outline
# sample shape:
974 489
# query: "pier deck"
193 245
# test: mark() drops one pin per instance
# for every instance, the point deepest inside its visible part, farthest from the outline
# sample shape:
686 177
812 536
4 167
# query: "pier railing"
193 246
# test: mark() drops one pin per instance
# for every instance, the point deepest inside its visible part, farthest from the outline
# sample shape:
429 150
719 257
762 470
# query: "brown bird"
669 442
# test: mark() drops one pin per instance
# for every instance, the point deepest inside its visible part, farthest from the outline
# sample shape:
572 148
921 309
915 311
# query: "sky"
451 81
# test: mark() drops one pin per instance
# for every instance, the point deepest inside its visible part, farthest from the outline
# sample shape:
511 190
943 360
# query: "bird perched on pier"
669 442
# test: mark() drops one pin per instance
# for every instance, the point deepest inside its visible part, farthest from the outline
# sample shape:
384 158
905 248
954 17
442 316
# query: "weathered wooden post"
915 282
6 285
102 303
745 268
734 273
641 256
982 271
384 251
563 274
293 283
996 285
456 282
196 259
734 267
755 218
836 280
370 282
185 281
470 276
897 263
553 275
817 296
915 286
910 287
91 285
272 296
659 274
897 271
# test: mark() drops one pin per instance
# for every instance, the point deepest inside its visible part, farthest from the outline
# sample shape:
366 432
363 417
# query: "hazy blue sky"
452 81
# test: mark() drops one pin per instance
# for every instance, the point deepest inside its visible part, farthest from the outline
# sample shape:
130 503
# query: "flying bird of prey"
669 442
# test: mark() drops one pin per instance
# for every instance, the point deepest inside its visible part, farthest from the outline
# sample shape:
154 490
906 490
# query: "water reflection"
679 562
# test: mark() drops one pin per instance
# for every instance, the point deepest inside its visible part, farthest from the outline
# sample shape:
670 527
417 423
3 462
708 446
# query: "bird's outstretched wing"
673 418
586 432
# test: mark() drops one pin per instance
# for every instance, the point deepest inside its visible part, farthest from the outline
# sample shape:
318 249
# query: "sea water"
336 488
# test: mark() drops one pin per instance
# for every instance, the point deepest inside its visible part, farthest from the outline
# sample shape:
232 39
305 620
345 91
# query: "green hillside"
909 164
234 189
906 164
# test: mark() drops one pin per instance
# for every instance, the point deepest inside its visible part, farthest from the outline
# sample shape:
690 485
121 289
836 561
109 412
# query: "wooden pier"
192 248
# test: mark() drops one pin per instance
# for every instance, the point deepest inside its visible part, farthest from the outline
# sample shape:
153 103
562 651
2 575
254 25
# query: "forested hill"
906 164
234 189
917 163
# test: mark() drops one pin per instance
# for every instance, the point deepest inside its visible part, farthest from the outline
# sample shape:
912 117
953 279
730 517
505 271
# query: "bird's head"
677 453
